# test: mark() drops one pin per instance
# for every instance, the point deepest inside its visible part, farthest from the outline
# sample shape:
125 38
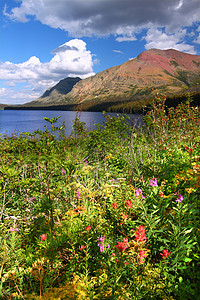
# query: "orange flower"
122 245
88 228
140 234
128 204
142 254
124 216
114 205
82 247
165 254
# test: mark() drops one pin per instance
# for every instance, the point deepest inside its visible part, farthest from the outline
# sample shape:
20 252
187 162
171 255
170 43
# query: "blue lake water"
17 121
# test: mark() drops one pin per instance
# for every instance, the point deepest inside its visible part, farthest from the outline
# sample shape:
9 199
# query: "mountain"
165 71
56 93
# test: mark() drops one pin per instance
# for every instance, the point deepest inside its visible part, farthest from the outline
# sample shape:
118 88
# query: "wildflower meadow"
111 213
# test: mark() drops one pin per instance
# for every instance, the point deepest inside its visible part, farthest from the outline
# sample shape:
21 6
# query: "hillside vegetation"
111 213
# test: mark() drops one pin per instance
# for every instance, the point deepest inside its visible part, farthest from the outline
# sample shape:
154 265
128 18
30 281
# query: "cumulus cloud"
70 59
156 38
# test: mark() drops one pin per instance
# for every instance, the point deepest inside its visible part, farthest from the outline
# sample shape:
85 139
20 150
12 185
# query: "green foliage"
111 213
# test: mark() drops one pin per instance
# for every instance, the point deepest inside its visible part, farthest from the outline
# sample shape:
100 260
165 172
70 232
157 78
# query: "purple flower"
139 193
101 238
101 243
79 192
101 248
14 229
63 172
33 199
180 198
153 182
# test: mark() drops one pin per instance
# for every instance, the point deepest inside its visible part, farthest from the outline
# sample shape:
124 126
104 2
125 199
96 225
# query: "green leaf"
187 259
180 279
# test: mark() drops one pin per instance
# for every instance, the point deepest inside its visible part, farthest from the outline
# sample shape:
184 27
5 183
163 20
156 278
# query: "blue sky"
44 41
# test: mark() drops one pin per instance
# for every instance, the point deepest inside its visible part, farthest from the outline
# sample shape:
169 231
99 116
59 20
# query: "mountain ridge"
170 71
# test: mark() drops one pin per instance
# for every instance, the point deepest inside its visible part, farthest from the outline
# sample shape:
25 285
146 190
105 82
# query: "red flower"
124 216
140 234
88 228
128 204
142 254
82 247
165 254
114 205
43 237
122 245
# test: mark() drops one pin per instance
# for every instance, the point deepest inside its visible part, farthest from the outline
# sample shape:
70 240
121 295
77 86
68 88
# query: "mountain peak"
165 71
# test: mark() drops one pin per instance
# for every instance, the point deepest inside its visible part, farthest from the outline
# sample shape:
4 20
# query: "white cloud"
126 38
70 59
118 51
156 38
197 40
104 17
16 96
123 19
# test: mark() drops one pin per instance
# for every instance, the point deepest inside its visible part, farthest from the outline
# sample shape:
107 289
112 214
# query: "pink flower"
153 182
165 254
180 198
43 237
82 247
140 234
114 205
128 204
88 228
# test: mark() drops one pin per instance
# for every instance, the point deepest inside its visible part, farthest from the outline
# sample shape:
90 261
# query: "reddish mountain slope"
167 71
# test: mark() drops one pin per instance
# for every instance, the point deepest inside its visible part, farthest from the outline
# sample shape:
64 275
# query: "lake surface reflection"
17 121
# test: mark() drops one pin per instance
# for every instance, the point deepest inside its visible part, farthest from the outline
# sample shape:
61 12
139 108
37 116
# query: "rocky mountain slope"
166 71
56 93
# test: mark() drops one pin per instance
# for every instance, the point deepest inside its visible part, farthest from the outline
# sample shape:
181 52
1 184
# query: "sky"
44 41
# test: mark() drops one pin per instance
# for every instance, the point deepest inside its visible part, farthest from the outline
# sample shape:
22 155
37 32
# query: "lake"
17 121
